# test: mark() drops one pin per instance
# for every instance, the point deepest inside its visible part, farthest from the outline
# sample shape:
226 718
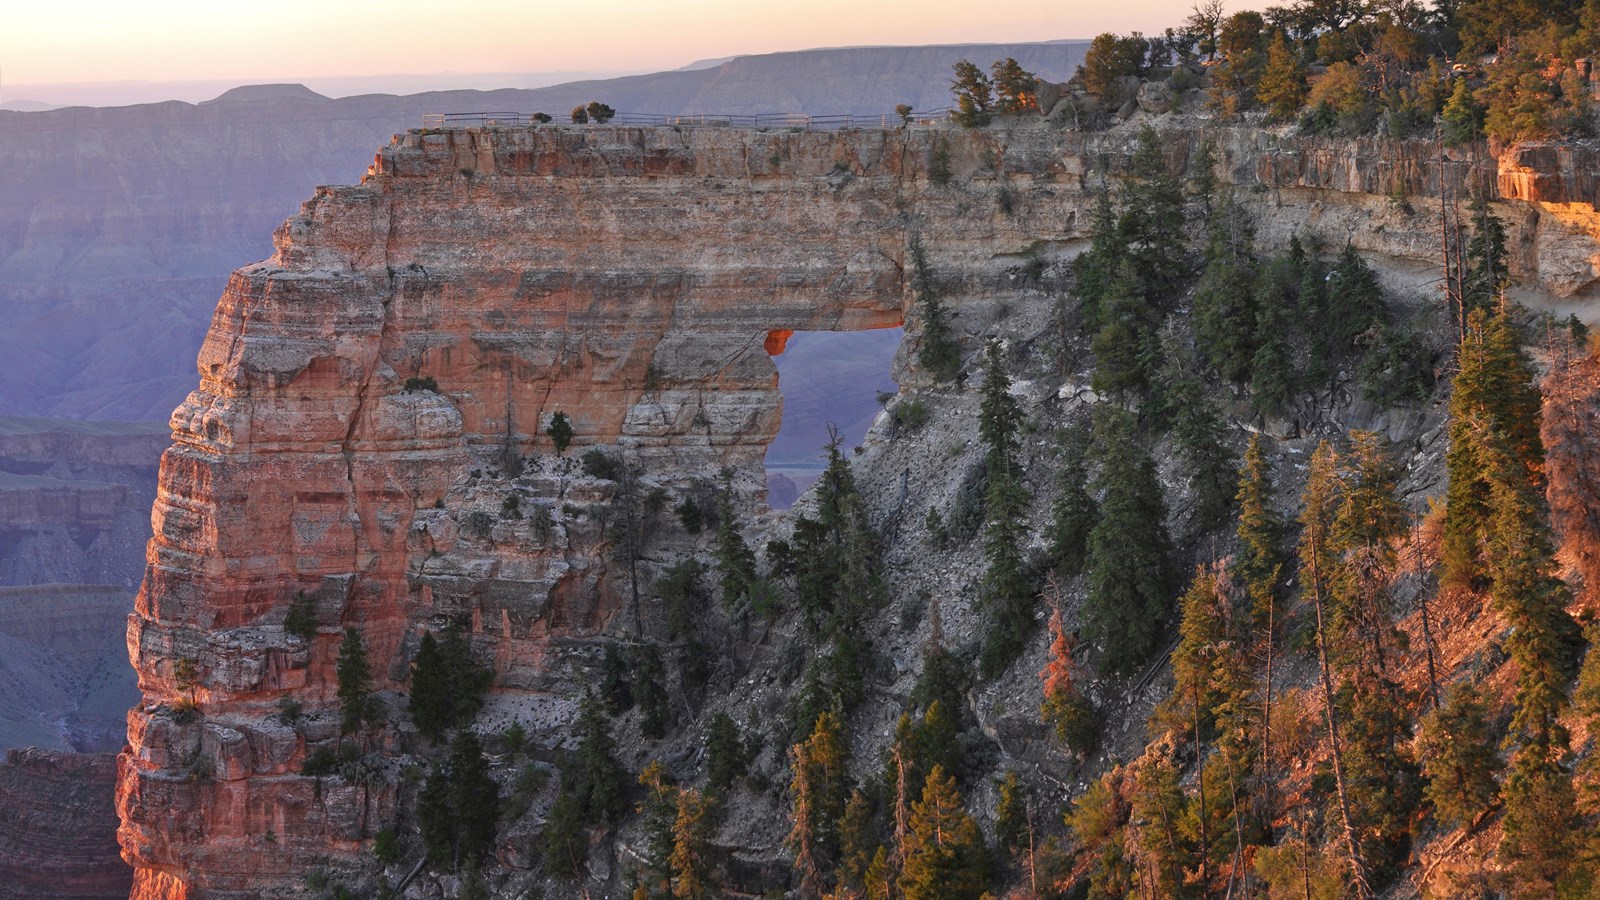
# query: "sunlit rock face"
370 427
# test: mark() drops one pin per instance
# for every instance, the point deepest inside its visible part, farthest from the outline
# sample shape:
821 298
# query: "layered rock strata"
58 827
370 425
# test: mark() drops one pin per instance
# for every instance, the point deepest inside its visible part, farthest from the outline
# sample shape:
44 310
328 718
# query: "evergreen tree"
1074 512
858 839
1462 117
818 793
459 807
1096 819
658 813
1121 343
974 94
1458 758
1008 592
1493 399
1128 548
430 689
1011 825
1259 567
691 835
1151 224
1282 89
1065 709
1272 371
355 684
1016 89
944 853
1317 560
1095 268
566 836
736 564
1225 310
560 431
1197 431
939 354
648 676
600 778
1158 842
725 753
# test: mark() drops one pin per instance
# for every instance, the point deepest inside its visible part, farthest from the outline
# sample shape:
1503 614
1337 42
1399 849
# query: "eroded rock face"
370 398
58 827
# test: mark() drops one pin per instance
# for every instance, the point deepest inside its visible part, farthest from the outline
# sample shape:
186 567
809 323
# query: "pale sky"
44 42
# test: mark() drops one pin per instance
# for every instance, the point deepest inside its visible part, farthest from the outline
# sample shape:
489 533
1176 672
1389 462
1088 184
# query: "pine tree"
1197 432
1016 89
725 754
818 793
974 94
1458 758
691 834
1259 566
736 564
1158 843
1074 512
1122 340
1011 825
459 807
355 684
1008 593
1493 398
939 354
566 836
658 813
1065 709
944 853
1128 548
1272 370
1282 89
1225 310
858 838
429 689
1096 819
600 778
1151 223
1316 566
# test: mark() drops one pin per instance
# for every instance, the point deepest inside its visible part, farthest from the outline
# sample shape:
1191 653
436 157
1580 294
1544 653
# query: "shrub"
426 383
560 431
302 618
904 112
599 113
598 464
541 118
690 514
580 115
910 415
386 846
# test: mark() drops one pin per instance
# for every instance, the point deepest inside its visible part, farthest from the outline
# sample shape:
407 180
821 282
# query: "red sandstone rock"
58 827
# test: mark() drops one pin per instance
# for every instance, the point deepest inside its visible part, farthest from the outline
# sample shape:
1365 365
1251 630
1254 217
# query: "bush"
598 464
580 115
386 846
690 514
904 112
599 113
421 384
910 415
541 118
302 618
560 431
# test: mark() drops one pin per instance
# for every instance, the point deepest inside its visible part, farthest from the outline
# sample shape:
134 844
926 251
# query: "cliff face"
57 827
633 279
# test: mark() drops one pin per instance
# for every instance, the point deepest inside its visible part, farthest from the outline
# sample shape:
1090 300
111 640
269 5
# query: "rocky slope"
57 831
370 423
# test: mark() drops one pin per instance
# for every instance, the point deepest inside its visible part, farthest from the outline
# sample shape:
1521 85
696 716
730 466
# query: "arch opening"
825 377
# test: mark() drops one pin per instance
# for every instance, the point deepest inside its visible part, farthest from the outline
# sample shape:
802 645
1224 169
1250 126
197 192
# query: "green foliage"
301 620
736 564
1458 758
689 513
447 684
1016 89
939 354
1007 588
1011 814
944 855
355 684
681 599
903 110
1074 512
654 707
458 807
1128 548
818 794
726 759
1462 120
974 95
1283 87
1109 59
566 837
599 779
691 838
599 113
1493 401
386 846
598 464
560 431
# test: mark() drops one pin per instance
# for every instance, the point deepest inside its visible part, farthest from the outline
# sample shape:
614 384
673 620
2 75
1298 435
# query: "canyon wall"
57 828
370 425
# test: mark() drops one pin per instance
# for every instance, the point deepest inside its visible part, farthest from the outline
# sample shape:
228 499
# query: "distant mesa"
27 105
257 93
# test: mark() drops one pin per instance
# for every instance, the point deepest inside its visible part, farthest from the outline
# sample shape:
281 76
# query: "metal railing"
760 122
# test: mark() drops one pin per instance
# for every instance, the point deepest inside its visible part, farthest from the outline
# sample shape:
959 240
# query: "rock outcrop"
58 827
370 428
